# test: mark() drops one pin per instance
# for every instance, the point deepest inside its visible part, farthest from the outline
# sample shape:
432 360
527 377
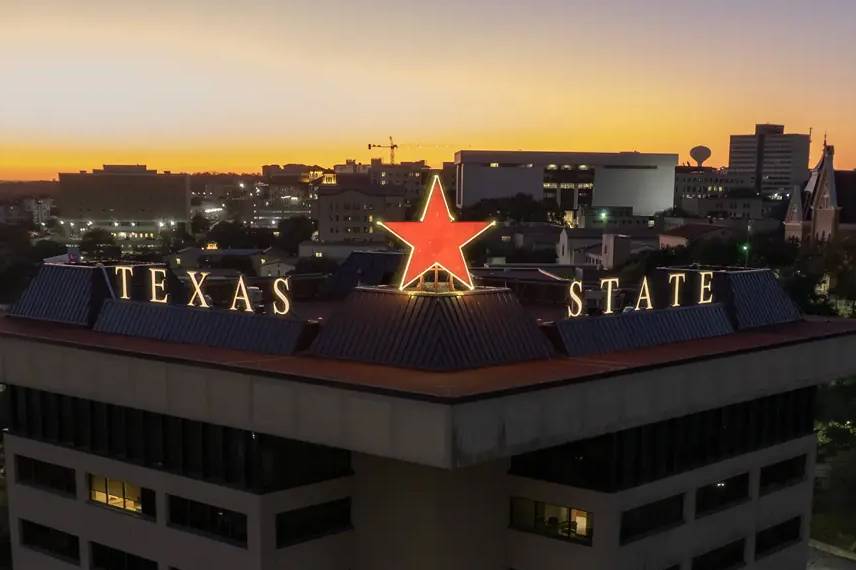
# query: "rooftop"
447 387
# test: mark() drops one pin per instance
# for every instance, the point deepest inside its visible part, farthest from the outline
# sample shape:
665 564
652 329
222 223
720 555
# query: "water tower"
700 154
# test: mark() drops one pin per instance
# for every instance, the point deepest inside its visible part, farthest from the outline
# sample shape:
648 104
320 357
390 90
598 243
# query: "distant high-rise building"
131 201
572 180
773 162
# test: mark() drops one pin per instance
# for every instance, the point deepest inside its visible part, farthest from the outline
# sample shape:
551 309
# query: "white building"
574 180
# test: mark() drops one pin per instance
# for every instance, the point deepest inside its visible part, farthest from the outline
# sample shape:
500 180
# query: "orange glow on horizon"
185 86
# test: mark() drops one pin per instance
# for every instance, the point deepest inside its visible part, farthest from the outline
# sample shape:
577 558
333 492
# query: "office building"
707 182
825 209
131 201
570 180
773 162
416 430
408 176
349 210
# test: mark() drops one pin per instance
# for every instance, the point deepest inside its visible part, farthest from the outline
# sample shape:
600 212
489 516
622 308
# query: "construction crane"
391 146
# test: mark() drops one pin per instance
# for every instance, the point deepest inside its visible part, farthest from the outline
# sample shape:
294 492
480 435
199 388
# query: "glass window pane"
98 488
580 523
522 513
132 497
115 493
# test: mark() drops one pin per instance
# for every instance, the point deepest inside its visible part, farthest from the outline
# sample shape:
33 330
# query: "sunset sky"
229 85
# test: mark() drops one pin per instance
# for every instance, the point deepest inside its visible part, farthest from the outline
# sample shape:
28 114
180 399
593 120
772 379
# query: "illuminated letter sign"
705 295
242 295
676 280
197 290
610 283
645 299
241 300
436 241
124 271
575 309
158 284
281 305
644 293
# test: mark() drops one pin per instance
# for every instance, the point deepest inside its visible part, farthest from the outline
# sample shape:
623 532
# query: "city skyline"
183 87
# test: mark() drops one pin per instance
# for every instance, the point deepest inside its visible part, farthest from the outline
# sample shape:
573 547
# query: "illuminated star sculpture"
436 241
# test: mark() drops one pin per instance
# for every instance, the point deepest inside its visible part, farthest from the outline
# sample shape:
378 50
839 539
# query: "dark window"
776 537
208 519
552 520
239 458
50 541
782 474
312 522
722 558
46 475
721 494
653 517
106 558
636 456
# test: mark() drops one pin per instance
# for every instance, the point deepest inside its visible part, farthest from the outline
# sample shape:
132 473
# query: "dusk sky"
230 85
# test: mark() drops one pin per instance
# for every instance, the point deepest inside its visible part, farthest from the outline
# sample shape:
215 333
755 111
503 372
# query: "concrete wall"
435 434
647 190
156 540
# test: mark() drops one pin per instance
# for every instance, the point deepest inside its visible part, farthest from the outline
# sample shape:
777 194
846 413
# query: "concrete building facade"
131 452
572 180
771 160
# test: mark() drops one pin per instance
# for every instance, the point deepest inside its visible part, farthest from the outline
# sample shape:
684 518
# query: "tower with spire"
825 209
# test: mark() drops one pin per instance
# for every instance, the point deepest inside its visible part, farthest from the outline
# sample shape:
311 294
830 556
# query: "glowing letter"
644 293
610 284
241 295
677 279
284 304
705 278
158 285
123 271
197 290
575 309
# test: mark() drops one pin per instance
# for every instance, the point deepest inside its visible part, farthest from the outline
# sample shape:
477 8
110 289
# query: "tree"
294 230
98 243
199 225
519 208
230 235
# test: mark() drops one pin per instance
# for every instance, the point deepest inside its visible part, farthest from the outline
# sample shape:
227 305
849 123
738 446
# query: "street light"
745 249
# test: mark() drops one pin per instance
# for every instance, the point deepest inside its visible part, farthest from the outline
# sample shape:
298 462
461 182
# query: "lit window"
494 165
551 520
319 254
121 495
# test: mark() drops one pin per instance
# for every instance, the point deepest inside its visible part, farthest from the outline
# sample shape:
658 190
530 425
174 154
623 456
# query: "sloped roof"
206 327
70 294
693 231
441 332
609 333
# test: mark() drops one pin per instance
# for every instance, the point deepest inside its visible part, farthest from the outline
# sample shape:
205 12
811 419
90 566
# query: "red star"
436 240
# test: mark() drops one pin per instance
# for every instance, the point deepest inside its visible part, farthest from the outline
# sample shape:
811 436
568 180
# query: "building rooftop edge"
439 387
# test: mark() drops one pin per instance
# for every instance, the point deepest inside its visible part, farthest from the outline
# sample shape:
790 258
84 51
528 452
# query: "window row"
292 527
767 541
247 460
632 457
664 514
552 520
